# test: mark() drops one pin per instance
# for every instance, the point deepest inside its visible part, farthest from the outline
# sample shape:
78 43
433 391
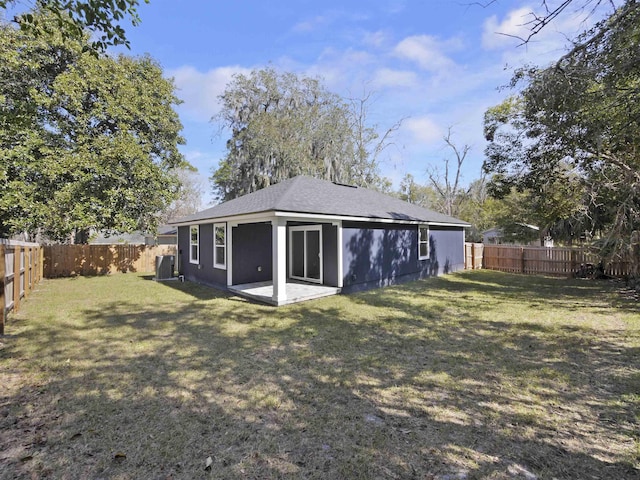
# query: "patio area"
296 291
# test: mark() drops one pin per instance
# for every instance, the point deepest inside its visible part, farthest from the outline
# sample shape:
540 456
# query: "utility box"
165 266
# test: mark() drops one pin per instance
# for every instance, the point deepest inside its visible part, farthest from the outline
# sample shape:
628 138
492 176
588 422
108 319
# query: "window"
423 242
194 234
220 245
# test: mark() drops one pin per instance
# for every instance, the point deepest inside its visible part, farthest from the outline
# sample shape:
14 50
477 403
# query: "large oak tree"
283 125
573 132
70 19
86 141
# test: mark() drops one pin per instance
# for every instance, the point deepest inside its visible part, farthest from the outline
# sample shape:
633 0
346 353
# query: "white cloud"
342 70
311 24
424 130
427 51
200 90
375 39
396 6
546 45
327 19
497 35
387 77
202 160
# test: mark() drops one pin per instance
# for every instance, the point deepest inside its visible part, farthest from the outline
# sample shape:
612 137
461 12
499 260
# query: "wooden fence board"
473 255
558 261
3 305
70 260
19 274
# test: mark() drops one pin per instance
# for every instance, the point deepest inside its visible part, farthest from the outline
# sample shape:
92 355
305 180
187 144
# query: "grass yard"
471 375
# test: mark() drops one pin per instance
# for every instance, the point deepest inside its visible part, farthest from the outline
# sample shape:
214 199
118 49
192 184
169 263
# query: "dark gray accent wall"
330 254
252 253
203 272
183 249
375 255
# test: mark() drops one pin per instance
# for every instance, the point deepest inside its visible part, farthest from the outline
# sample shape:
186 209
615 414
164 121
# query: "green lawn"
471 375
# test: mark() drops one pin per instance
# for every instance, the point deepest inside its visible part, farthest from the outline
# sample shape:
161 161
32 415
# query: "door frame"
305 228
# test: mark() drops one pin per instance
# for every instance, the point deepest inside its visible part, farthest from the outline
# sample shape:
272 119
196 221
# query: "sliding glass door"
305 253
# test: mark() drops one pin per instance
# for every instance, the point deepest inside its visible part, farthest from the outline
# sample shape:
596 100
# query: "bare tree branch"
539 21
447 188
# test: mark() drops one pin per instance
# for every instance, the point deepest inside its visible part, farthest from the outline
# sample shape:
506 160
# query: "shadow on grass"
195 290
388 383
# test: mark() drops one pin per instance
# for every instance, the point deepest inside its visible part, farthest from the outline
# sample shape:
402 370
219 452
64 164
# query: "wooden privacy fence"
561 261
70 260
20 270
473 255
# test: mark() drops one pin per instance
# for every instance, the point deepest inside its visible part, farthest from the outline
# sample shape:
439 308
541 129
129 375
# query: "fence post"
522 261
27 272
16 278
473 256
3 301
36 265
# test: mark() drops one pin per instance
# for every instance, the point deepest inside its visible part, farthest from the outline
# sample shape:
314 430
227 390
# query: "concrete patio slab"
296 292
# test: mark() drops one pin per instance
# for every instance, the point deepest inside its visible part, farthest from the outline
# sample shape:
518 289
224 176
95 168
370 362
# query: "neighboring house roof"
498 231
529 226
493 231
167 230
307 195
135 238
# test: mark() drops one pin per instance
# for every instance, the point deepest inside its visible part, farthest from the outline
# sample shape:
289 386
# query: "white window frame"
222 266
196 243
423 240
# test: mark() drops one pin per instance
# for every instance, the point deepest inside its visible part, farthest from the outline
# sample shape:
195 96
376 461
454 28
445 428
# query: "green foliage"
283 125
571 137
190 196
474 208
86 141
71 18
471 203
413 192
444 192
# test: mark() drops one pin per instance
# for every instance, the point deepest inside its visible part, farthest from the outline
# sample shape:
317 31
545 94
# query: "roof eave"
265 215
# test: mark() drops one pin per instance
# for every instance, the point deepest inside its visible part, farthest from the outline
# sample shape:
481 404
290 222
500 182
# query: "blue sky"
436 64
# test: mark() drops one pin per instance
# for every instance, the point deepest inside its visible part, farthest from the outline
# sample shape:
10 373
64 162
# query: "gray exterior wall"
376 255
252 249
204 271
447 244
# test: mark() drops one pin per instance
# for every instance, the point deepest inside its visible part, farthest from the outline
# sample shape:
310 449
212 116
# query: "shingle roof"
313 196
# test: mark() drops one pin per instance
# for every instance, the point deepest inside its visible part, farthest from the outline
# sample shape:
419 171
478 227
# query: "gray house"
304 238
